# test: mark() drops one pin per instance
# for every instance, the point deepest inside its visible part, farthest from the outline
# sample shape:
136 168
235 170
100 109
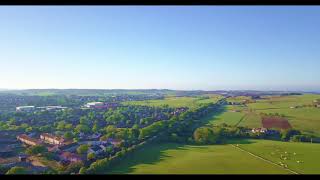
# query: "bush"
287 134
83 149
35 150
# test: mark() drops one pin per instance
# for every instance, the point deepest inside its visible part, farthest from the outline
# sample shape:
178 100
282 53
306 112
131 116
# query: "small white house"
25 108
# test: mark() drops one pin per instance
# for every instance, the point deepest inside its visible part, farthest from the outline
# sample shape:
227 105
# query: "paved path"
266 160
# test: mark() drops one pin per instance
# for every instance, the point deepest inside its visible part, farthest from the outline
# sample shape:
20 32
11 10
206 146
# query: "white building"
93 104
25 108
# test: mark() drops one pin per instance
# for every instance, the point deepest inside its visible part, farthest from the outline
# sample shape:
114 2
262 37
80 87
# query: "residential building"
71 157
259 130
28 140
94 104
25 108
51 139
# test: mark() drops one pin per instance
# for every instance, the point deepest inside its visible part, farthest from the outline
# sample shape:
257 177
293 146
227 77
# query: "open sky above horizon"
160 47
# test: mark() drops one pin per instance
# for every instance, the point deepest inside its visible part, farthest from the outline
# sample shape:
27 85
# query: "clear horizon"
184 48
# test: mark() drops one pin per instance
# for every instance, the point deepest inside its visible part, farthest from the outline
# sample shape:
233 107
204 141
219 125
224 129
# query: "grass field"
230 118
190 102
292 153
172 158
185 159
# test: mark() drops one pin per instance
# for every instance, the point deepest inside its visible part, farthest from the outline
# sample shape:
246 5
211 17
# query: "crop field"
190 102
172 158
306 119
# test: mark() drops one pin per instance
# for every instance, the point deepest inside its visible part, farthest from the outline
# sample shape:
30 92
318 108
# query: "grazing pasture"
172 158
301 157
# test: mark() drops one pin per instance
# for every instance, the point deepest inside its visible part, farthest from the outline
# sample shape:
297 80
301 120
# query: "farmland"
190 102
300 157
187 159
306 119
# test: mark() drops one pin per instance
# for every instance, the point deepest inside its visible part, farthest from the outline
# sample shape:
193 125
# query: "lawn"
292 153
190 102
172 158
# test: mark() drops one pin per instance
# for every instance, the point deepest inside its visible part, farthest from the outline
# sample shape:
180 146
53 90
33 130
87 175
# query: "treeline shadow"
150 154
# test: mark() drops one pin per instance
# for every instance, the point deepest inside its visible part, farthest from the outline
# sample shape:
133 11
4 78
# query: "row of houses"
44 108
44 138
263 130
101 105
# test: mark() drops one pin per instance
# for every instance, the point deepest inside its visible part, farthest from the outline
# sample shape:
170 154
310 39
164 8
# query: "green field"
306 119
228 117
186 159
190 102
172 158
306 153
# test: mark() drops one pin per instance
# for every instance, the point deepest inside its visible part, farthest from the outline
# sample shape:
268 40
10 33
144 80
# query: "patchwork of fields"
306 119
223 159
190 102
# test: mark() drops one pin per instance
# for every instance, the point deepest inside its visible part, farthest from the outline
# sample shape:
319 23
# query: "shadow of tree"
149 154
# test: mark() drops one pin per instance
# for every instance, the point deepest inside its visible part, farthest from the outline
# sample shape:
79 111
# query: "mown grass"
169 158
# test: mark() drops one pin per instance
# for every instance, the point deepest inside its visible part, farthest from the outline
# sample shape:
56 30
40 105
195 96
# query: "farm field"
190 102
306 119
301 157
172 158
229 117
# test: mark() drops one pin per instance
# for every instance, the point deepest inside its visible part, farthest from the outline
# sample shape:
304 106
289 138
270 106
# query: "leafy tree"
287 134
91 156
84 120
61 125
73 168
111 129
68 135
68 126
95 128
83 170
205 135
82 128
98 166
35 150
83 149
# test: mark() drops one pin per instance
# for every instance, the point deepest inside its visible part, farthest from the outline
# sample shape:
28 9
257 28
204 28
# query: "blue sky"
191 47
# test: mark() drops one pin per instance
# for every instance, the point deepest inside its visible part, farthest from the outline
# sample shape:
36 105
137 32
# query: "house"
51 139
95 136
94 105
25 108
22 158
259 130
54 148
97 149
115 142
71 157
28 140
51 108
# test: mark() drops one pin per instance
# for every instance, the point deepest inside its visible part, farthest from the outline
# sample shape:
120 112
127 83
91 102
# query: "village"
85 146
